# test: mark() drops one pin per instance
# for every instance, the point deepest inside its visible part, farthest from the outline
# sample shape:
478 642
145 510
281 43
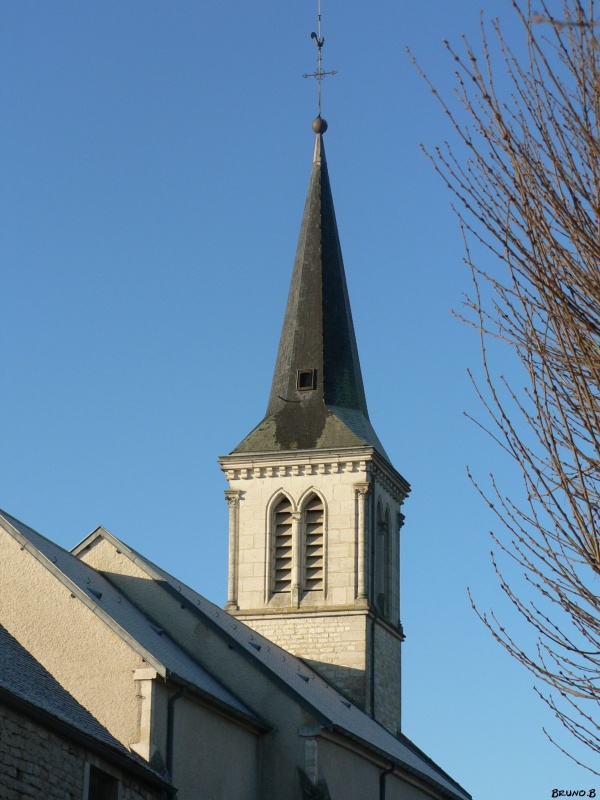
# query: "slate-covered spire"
317 397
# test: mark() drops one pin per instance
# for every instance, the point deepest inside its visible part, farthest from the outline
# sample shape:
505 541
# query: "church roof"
317 396
128 622
293 675
26 684
26 678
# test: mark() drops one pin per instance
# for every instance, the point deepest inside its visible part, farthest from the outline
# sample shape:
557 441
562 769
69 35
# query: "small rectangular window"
306 379
101 785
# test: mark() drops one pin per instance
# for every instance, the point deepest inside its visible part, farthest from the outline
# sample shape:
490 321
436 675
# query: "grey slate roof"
155 646
318 334
295 676
25 679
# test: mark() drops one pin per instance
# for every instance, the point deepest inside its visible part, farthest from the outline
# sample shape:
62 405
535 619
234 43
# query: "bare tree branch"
526 177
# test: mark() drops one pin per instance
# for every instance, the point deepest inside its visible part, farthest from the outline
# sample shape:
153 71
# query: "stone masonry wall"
387 678
38 764
333 645
260 488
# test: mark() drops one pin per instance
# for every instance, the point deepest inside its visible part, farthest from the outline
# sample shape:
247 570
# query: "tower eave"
280 458
311 428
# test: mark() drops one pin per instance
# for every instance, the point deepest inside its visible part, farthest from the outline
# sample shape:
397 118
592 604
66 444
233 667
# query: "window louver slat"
283 547
313 545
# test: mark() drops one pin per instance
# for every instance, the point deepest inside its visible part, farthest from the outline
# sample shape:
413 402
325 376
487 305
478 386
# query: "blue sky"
155 158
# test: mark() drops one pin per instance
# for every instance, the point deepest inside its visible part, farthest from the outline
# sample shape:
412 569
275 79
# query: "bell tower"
314 501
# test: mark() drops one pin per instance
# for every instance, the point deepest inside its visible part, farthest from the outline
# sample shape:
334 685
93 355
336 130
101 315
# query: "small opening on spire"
306 380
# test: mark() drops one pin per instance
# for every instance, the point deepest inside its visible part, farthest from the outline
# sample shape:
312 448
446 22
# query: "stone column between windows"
296 560
233 501
362 490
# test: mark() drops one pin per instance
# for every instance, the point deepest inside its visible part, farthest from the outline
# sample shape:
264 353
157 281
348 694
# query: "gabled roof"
294 676
127 621
317 338
25 683
26 678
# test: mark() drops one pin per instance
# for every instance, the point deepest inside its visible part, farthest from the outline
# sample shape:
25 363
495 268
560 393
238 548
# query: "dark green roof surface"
317 335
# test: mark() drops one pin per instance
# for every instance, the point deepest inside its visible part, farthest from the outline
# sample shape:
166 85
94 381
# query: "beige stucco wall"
214 757
83 654
281 750
351 772
349 775
204 738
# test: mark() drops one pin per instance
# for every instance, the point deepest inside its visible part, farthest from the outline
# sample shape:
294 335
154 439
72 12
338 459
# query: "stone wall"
387 678
259 490
361 497
334 645
339 648
37 763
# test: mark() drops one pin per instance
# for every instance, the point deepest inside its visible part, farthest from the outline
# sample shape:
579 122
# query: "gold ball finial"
319 125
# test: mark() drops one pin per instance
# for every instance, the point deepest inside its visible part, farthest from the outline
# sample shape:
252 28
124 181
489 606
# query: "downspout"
382 778
171 728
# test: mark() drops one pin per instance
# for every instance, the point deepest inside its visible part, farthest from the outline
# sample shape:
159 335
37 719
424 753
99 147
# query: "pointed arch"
387 588
281 508
313 542
382 559
276 497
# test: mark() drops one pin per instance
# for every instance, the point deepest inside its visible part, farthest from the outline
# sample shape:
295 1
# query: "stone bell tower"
314 502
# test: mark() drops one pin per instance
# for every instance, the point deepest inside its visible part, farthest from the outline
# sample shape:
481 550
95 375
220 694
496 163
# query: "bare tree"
526 175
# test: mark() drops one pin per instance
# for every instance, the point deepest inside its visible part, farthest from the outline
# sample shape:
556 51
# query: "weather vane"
320 41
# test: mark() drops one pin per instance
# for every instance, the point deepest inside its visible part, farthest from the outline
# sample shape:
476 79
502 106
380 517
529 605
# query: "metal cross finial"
320 41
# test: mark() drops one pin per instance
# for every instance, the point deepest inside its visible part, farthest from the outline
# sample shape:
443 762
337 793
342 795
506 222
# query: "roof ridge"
341 707
129 622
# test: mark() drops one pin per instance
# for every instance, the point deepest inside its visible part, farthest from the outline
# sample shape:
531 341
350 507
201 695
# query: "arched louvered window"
282 554
382 561
388 562
314 544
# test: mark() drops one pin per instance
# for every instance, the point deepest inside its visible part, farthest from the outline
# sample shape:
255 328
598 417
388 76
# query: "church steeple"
314 502
317 396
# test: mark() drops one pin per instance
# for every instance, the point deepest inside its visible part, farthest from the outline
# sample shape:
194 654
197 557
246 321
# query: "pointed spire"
317 397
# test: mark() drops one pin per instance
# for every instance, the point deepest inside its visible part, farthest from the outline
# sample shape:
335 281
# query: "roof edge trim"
82 596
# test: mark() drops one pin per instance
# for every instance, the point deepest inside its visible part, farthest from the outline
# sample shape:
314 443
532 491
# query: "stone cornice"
240 460
272 466
392 482
363 460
